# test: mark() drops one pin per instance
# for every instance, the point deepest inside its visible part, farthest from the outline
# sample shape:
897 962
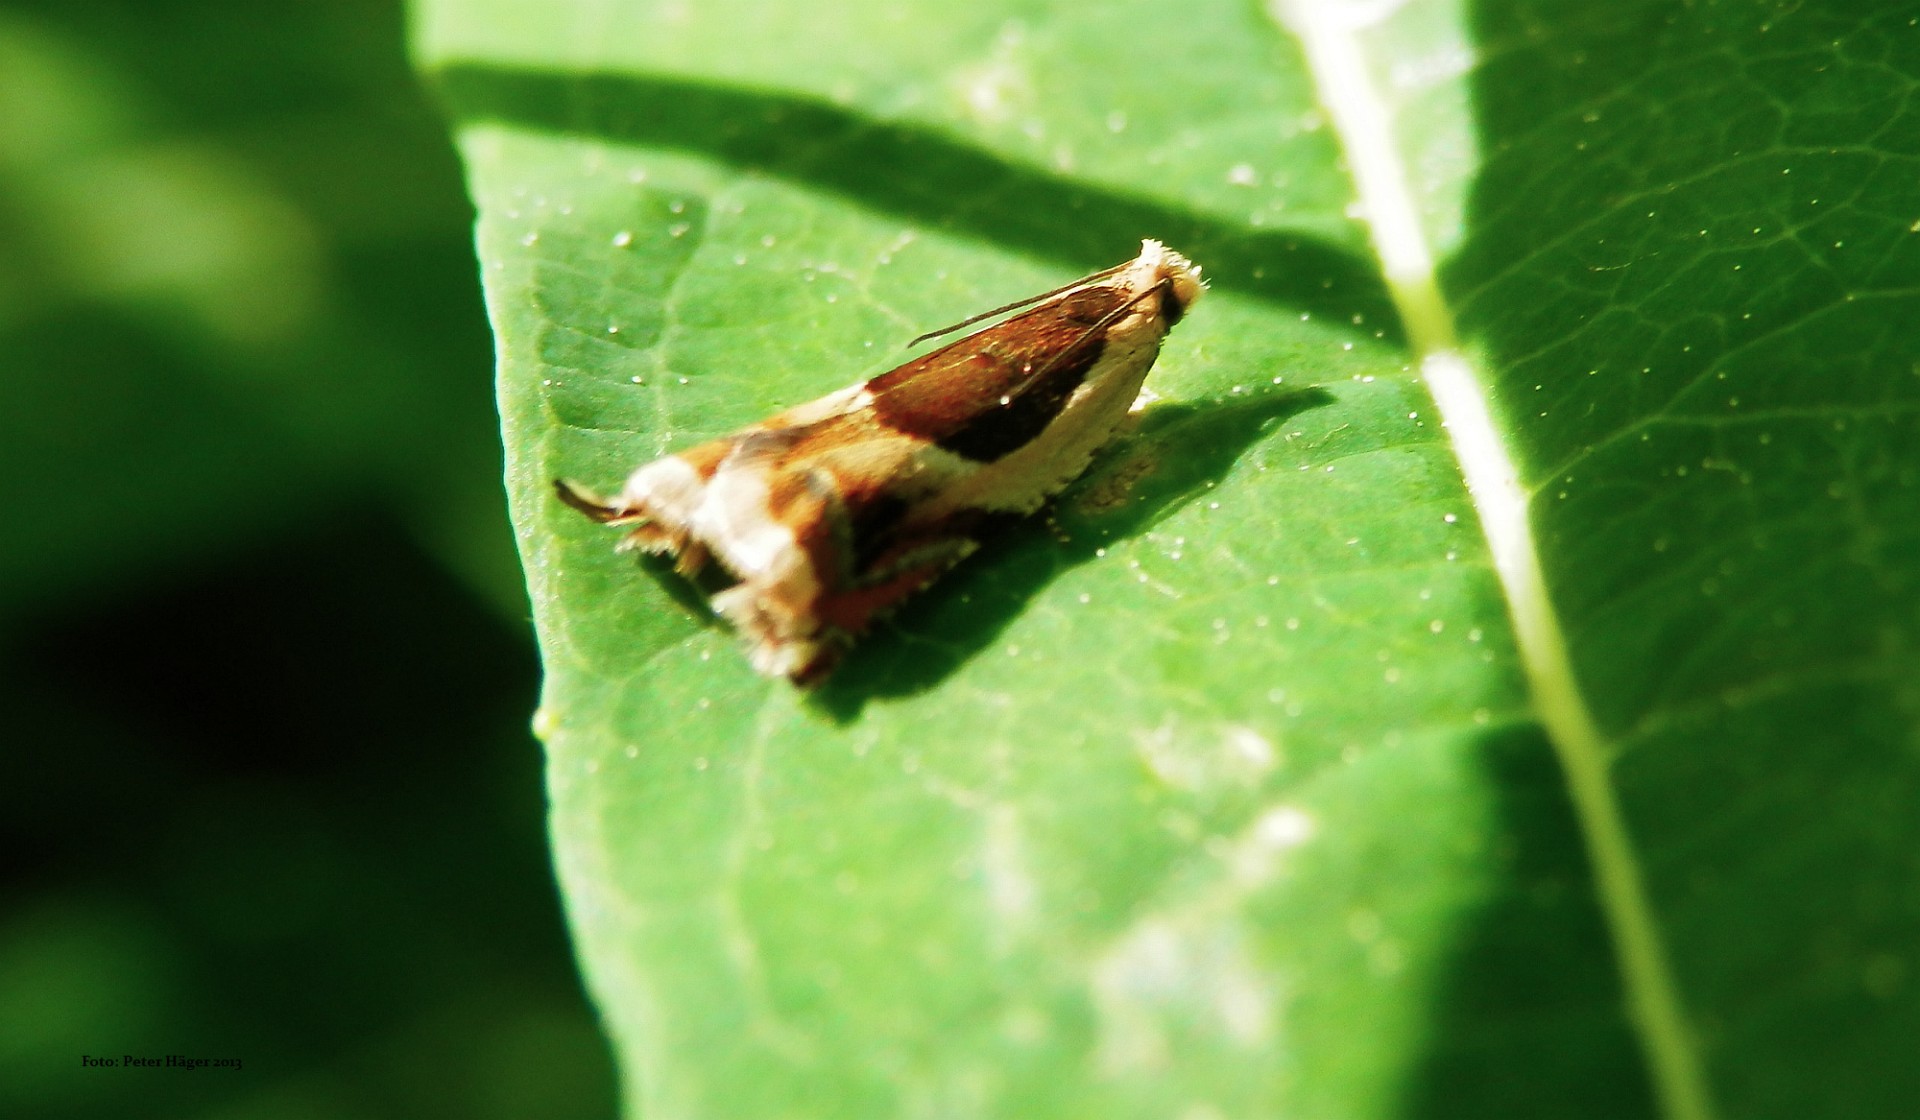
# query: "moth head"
1159 264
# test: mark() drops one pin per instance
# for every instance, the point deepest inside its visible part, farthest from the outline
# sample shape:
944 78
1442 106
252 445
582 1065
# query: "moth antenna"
1019 303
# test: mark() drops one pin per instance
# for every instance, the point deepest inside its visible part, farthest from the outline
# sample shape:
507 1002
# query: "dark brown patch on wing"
870 526
954 396
869 513
1171 309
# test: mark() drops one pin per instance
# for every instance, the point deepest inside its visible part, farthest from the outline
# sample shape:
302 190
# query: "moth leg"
892 576
845 615
780 641
689 555
805 646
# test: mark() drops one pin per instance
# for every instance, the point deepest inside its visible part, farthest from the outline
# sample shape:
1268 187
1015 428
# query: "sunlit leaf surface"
1225 794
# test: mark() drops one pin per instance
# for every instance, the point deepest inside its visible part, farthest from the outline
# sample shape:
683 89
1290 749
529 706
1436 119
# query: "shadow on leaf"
1178 451
921 175
1527 1006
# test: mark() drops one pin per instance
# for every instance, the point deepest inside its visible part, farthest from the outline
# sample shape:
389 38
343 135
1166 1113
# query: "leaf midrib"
1336 64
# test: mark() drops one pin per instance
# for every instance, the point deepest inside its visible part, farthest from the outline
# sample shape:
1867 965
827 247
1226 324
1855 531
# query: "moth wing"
840 402
993 391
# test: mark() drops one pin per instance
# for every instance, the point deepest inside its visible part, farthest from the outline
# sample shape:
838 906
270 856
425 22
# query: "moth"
821 518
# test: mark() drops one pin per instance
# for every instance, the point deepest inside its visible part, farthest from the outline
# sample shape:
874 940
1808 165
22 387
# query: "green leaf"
1237 792
1692 277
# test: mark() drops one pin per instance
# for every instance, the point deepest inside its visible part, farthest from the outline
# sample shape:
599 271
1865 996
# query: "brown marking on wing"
705 458
808 504
979 397
842 518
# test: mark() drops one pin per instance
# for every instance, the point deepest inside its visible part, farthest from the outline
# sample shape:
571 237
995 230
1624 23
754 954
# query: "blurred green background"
267 668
